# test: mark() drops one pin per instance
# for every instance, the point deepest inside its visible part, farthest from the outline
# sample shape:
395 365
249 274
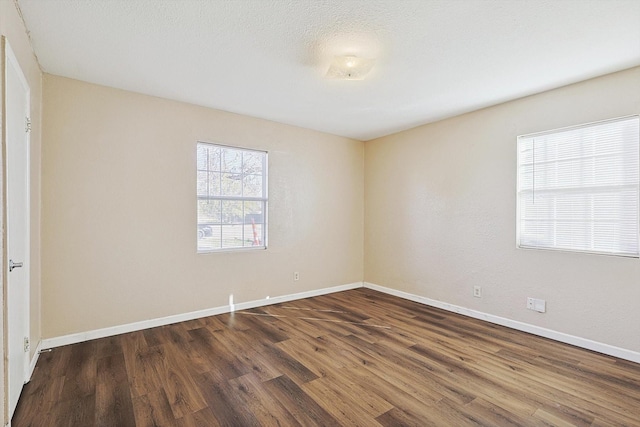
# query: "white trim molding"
162 321
34 360
585 343
610 350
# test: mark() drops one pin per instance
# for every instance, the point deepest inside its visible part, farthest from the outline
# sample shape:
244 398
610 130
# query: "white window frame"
519 218
263 199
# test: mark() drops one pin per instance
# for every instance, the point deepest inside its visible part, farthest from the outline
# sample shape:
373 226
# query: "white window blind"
578 188
232 198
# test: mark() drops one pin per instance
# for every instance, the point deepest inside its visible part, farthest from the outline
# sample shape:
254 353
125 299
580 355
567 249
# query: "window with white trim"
578 188
232 198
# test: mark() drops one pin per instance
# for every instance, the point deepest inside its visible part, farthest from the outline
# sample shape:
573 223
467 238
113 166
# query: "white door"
17 188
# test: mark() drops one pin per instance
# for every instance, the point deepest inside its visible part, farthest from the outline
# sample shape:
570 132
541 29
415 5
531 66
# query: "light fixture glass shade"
349 68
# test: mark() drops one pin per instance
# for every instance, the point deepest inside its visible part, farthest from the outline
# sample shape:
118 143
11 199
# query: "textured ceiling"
267 58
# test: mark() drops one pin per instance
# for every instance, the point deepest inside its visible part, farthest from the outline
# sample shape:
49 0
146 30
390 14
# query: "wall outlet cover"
536 304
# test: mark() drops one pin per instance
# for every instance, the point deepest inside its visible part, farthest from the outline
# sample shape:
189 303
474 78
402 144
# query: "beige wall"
440 217
119 209
119 213
12 28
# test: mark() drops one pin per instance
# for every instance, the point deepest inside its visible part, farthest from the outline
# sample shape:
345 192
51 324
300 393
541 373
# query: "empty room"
320 213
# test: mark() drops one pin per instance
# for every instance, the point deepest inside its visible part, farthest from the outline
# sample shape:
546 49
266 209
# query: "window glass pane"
203 151
209 238
214 183
252 186
232 236
231 184
254 220
209 211
202 183
226 178
232 212
215 155
253 235
231 160
578 188
252 162
253 212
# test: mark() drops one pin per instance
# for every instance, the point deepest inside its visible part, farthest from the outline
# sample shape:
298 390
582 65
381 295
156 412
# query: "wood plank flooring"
355 358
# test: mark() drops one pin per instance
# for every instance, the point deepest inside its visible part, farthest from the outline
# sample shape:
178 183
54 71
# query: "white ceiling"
267 58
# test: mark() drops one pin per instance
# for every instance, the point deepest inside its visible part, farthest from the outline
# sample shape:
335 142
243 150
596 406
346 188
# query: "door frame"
8 56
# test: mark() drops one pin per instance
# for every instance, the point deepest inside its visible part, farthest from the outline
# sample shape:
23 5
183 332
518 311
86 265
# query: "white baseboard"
293 297
152 323
34 360
588 344
610 350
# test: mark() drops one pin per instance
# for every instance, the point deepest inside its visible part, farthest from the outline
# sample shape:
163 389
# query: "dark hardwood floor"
355 358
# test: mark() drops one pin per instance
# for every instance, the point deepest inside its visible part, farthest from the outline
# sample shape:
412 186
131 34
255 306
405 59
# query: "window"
232 198
578 188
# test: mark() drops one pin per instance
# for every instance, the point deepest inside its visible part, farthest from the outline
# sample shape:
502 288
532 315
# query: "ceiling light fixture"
349 68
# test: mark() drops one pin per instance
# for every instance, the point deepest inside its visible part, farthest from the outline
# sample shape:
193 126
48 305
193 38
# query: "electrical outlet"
477 291
296 276
536 304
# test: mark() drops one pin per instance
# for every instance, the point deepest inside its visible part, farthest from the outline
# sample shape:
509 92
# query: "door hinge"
27 344
27 125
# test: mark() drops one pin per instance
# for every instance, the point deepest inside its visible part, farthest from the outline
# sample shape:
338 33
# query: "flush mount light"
349 68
